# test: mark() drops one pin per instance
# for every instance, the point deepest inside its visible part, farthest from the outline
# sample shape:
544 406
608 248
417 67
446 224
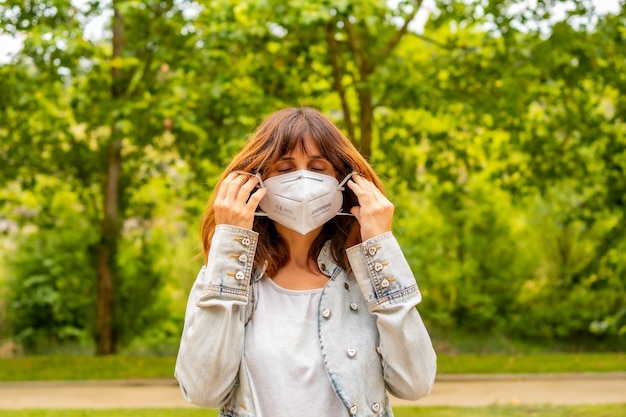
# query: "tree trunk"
333 50
366 62
107 251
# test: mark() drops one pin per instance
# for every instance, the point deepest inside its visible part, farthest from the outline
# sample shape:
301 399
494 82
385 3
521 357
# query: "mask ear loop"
256 174
345 180
341 187
260 185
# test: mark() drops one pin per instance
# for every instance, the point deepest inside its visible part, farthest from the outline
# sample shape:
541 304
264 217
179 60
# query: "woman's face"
299 160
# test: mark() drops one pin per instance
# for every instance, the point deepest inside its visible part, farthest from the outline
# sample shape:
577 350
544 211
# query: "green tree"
498 130
539 100
85 111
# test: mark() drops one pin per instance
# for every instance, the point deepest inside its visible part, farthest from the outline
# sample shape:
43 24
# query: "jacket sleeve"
212 341
387 283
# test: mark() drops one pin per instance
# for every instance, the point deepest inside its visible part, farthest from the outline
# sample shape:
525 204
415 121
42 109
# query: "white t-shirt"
283 356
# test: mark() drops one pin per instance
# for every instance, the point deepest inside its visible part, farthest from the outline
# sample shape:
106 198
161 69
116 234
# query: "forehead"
304 147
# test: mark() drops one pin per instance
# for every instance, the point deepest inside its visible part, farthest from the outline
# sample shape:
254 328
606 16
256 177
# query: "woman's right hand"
234 203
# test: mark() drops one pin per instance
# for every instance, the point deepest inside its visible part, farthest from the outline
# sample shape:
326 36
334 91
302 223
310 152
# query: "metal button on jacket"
384 283
353 410
352 352
243 258
245 241
239 275
326 313
354 306
372 250
376 407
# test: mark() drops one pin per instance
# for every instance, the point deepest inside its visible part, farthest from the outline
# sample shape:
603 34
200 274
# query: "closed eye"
319 165
284 167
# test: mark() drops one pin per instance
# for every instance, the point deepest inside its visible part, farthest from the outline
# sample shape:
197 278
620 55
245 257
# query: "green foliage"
51 294
469 254
53 256
499 131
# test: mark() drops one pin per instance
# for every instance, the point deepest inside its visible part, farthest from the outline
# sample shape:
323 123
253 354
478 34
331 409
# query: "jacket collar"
325 261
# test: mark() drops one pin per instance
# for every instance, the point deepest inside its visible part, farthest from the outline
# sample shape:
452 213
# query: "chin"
285 231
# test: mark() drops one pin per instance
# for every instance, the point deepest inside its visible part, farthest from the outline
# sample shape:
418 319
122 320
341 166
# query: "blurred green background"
499 130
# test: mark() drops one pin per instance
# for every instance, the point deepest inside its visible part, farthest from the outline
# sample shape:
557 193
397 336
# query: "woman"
306 304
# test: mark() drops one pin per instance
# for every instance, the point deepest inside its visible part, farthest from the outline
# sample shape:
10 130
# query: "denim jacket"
372 338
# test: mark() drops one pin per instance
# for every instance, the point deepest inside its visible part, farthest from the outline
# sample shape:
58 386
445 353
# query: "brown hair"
278 135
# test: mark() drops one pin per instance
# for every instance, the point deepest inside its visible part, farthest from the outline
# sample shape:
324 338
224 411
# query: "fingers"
237 200
365 190
245 190
356 212
235 185
256 198
225 185
375 211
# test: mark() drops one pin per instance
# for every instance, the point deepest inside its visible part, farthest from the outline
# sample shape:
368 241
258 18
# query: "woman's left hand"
375 211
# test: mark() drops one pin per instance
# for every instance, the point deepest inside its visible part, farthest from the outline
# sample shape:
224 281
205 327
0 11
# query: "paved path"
450 390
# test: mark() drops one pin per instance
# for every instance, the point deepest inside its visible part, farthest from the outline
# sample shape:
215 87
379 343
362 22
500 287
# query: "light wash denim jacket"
372 337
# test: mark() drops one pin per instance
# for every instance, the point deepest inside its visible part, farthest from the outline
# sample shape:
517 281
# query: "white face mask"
302 200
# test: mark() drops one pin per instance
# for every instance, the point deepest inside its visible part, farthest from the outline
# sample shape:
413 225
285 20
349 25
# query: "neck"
299 245
300 272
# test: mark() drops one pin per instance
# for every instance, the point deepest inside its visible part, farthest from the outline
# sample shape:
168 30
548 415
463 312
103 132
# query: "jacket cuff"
229 266
382 272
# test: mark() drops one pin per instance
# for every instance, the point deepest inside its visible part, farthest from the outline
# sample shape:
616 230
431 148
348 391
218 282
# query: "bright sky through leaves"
10 45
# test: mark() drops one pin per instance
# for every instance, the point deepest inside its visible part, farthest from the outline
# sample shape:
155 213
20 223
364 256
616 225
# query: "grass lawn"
46 368
41 368
496 411
532 363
